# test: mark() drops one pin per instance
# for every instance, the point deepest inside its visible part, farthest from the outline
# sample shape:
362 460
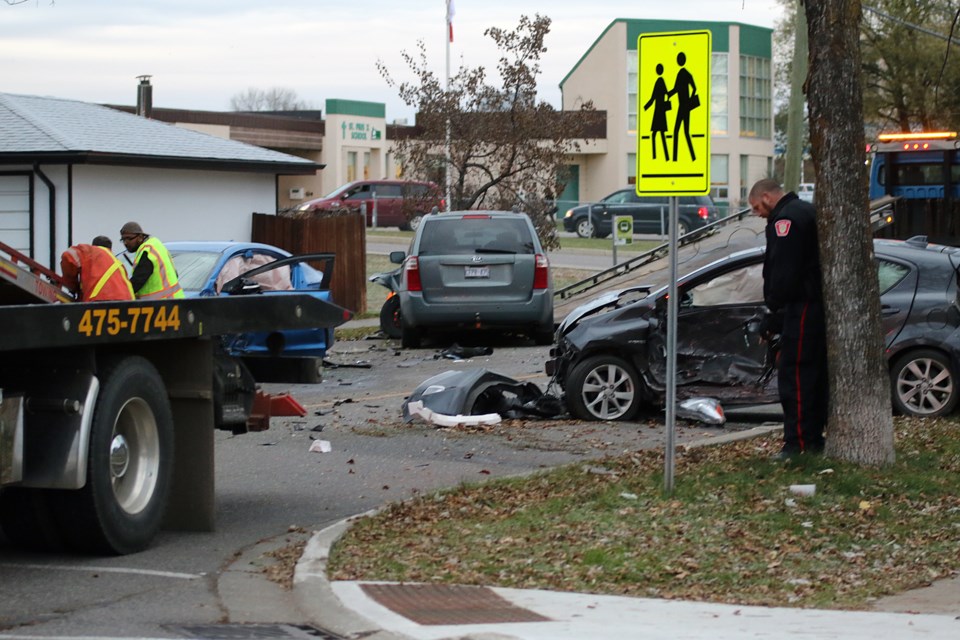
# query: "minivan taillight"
541 272
412 270
703 212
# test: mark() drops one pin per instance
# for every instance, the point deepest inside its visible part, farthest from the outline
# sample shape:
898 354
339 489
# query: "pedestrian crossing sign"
673 113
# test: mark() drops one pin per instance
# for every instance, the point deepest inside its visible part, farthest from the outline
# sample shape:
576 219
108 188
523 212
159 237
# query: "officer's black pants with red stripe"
802 377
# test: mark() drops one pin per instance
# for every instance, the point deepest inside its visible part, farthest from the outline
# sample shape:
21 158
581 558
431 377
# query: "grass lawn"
730 532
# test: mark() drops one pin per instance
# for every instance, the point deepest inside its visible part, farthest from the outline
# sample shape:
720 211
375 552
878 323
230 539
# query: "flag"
451 11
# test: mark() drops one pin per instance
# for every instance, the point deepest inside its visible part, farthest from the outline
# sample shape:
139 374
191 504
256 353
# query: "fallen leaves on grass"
730 532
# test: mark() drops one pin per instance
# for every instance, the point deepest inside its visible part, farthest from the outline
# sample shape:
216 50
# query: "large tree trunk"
860 427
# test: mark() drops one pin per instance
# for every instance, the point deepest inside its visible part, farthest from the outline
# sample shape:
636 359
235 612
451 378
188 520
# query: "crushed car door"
717 355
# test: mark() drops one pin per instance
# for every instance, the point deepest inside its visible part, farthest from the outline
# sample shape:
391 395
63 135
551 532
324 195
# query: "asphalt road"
272 491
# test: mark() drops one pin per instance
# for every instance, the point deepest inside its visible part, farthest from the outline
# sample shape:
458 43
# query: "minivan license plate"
476 272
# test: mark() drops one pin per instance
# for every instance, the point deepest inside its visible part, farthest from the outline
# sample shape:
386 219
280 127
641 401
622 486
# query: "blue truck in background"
922 171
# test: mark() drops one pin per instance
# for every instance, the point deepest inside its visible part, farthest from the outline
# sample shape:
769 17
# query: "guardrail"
644 258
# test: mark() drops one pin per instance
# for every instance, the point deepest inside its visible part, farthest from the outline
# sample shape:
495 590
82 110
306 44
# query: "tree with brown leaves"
507 149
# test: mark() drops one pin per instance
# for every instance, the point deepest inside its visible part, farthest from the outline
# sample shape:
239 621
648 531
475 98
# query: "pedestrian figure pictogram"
661 101
683 57
686 91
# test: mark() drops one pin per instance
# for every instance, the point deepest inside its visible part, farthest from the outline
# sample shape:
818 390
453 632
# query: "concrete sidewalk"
435 612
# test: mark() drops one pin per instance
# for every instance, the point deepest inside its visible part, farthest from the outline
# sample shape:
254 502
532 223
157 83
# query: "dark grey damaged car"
610 356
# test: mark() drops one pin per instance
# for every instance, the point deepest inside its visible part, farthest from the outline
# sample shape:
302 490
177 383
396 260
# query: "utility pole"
793 157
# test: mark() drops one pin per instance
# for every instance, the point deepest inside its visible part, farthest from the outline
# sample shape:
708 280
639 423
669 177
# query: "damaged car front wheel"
603 387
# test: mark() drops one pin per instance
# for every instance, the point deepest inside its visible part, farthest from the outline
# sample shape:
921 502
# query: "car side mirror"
397 257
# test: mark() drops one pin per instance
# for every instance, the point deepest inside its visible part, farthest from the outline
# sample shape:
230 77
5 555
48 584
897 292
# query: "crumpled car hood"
610 299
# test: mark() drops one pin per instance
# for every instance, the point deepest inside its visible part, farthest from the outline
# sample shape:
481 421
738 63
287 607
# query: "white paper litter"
320 446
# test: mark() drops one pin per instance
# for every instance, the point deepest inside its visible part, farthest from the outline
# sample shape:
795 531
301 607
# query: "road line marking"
145 572
19 637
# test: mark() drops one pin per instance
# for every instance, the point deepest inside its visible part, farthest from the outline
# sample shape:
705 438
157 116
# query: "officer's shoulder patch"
782 227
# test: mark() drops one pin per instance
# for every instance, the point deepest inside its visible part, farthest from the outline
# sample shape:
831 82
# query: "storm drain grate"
435 604
253 631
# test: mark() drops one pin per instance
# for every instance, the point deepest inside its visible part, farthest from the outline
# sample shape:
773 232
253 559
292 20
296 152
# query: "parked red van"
392 203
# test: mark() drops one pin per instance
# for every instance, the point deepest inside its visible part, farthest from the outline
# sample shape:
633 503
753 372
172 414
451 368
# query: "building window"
631 168
632 92
755 97
719 121
744 176
351 166
720 177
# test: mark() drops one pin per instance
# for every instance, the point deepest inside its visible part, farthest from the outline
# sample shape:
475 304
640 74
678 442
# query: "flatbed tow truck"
108 409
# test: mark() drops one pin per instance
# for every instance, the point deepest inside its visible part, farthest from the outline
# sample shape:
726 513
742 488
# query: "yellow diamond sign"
673 113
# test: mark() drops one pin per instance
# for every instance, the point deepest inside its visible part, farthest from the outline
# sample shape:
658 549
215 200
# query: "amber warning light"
930 135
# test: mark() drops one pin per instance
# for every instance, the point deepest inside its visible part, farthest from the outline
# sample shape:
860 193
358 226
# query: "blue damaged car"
243 268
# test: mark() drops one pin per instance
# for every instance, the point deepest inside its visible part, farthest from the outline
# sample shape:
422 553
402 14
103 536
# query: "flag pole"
447 153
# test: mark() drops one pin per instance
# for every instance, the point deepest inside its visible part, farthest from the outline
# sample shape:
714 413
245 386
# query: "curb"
313 592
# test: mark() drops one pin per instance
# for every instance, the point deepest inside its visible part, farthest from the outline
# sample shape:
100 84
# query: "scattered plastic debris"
479 392
359 364
456 352
416 409
706 410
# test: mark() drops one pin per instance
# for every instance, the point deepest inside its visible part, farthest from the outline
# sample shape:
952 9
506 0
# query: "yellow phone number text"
129 320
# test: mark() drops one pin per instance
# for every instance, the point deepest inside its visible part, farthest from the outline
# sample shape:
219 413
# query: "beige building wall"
601 76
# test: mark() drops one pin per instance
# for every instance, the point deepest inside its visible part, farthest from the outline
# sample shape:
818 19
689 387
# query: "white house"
71 170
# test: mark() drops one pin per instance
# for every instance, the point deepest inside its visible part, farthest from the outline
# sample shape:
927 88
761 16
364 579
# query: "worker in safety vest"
154 276
94 273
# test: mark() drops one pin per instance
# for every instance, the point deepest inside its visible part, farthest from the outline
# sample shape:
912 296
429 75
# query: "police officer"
154 276
793 293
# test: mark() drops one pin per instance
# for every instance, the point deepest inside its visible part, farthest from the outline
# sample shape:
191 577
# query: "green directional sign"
624 229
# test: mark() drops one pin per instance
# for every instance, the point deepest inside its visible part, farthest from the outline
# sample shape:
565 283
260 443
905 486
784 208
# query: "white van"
806 190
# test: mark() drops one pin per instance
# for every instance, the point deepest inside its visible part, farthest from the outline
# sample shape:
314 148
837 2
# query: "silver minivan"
475 270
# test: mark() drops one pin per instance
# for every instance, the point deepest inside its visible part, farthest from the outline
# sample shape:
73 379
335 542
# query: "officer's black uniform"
792 289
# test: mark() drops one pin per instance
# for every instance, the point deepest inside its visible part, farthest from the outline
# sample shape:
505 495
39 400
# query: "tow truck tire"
390 317
129 466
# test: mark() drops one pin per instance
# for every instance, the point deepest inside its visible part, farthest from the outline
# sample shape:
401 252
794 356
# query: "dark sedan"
650 214
610 356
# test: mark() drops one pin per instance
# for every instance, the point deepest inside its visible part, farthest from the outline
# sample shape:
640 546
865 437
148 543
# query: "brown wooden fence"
344 235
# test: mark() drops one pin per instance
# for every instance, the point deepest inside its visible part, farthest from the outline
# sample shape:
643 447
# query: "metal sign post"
672 309
673 159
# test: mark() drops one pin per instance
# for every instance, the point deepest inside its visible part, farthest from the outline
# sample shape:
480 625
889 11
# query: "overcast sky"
202 52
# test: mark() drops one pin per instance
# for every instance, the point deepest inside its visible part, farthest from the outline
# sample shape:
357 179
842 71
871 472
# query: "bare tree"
860 427
507 148
276 99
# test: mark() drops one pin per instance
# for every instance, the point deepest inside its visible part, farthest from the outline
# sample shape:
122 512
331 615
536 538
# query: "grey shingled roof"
46 126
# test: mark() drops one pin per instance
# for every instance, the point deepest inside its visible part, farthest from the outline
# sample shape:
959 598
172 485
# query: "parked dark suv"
650 214
399 203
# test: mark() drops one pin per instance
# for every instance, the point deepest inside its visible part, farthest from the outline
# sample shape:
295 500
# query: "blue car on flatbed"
245 268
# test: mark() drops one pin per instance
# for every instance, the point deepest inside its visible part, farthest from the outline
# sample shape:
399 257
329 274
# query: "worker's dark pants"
802 377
